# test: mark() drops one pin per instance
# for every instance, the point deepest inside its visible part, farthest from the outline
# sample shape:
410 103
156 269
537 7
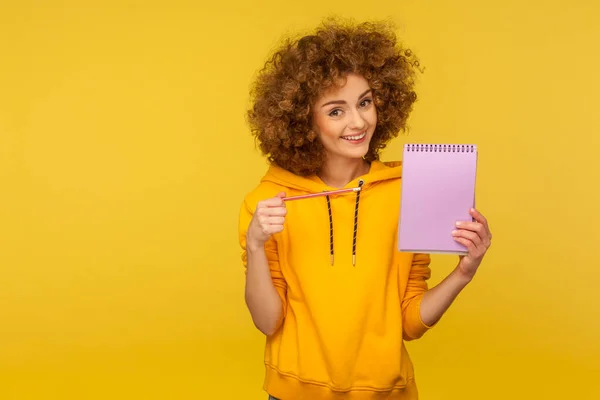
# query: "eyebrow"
343 102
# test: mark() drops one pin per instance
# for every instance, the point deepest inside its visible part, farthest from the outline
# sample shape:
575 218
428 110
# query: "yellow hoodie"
350 299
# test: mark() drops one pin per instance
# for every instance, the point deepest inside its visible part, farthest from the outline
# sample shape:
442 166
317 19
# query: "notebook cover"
437 190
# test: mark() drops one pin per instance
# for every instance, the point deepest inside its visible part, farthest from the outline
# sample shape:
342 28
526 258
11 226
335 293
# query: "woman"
324 280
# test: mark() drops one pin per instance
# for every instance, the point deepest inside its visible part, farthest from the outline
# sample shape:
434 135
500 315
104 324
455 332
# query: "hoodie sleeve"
413 325
246 212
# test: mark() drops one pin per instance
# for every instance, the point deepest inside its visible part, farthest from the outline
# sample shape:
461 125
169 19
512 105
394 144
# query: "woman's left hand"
477 238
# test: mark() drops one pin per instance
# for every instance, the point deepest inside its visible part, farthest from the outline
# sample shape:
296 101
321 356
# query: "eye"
365 102
335 113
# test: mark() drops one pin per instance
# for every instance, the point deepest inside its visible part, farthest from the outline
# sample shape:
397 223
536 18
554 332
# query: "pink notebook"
438 189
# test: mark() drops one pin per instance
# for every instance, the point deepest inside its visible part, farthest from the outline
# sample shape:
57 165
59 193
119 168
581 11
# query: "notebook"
437 190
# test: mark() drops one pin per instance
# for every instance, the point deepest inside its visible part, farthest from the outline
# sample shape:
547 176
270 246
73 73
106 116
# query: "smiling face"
345 119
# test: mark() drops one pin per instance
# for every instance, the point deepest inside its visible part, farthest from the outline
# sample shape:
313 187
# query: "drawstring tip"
331 259
353 259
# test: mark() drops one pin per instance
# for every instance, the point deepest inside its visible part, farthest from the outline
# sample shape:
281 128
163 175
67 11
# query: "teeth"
357 137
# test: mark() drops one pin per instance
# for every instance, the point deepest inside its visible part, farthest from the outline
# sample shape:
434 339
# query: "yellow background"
120 275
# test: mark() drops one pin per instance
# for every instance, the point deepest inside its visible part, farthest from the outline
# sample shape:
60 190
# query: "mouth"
355 138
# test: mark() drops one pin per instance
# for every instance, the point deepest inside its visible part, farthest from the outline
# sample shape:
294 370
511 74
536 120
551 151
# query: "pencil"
308 196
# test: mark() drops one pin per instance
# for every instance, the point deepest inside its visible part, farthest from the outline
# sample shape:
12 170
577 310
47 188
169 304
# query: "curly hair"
300 71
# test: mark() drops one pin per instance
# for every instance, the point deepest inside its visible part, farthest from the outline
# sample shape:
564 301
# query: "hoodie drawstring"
360 183
330 230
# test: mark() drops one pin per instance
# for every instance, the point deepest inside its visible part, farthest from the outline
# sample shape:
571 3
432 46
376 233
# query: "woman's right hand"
267 220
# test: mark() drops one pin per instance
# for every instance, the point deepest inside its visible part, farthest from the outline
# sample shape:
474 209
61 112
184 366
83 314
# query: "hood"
379 172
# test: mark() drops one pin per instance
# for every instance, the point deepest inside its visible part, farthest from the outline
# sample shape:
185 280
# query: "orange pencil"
325 193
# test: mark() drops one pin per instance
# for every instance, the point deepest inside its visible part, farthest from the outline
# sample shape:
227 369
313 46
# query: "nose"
356 120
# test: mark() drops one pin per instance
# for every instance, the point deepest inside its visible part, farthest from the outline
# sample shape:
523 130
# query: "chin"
358 152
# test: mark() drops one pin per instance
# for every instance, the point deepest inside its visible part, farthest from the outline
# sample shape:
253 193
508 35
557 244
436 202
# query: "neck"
341 172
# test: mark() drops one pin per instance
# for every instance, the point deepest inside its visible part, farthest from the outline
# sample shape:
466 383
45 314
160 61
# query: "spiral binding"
441 148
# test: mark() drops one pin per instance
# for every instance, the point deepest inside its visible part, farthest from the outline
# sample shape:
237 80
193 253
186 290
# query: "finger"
475 227
278 199
275 221
271 212
482 220
276 211
469 235
272 202
273 225
471 248
276 228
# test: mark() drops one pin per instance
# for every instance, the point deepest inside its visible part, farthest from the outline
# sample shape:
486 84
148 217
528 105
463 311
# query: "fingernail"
458 224
454 232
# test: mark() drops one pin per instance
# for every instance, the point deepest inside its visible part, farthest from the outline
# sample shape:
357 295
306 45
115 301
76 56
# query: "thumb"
281 195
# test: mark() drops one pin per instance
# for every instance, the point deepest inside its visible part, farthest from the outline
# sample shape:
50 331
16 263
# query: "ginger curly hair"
301 70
